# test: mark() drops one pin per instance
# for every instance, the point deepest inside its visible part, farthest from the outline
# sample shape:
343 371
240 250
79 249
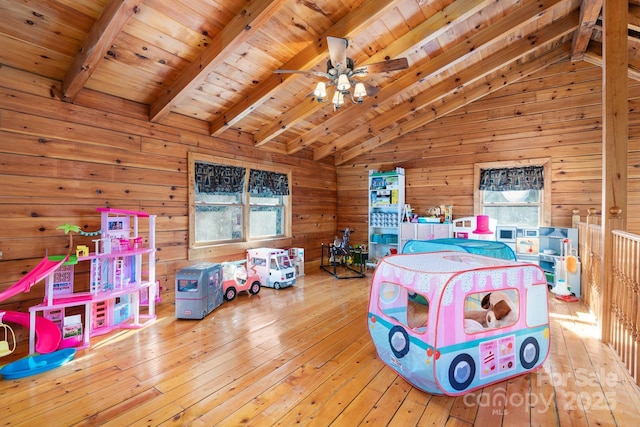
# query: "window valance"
267 183
219 179
512 179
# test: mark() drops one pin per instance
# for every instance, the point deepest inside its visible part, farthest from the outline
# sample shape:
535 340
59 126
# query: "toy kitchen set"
553 248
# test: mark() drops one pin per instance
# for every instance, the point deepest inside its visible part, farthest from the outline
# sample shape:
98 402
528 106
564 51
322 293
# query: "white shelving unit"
423 231
386 204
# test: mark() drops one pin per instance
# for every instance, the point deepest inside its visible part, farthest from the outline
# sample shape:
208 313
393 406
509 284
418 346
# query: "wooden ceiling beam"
95 46
431 28
347 27
422 111
589 13
240 29
634 17
455 55
593 55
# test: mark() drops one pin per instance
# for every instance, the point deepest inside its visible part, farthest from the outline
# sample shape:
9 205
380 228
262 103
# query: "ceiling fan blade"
309 72
371 89
383 67
338 51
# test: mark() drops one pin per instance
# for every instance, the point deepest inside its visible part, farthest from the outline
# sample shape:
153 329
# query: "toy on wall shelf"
452 322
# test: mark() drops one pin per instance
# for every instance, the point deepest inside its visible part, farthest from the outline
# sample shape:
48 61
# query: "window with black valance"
232 202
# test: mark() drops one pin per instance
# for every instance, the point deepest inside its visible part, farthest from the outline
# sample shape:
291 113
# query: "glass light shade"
359 91
343 82
338 100
321 91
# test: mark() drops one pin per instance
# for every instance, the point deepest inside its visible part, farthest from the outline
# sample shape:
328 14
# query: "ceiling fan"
341 72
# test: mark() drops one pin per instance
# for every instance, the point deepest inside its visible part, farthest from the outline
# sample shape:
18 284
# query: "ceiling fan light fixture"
338 100
321 91
343 83
359 92
341 71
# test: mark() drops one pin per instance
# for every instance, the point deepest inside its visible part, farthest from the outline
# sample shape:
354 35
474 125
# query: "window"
267 197
406 307
235 202
513 192
519 207
187 285
491 310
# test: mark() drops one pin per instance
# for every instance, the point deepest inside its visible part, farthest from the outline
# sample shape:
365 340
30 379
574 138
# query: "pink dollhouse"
122 282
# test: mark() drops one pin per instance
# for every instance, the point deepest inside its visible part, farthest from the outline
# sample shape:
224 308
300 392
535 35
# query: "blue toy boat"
37 364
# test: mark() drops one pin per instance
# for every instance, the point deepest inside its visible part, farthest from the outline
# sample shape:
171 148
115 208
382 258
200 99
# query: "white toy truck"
273 266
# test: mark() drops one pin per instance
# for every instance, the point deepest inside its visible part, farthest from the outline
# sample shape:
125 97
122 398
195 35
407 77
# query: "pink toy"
116 290
235 279
451 322
46 332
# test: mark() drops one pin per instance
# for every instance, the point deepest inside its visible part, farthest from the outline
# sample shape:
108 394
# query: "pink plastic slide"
40 271
48 335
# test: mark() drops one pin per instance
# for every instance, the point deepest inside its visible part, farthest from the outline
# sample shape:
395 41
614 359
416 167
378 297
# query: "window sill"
201 253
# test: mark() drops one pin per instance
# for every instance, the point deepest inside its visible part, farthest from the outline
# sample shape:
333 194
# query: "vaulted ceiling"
214 60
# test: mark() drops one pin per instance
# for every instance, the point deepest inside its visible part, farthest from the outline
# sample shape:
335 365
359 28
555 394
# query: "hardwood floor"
303 355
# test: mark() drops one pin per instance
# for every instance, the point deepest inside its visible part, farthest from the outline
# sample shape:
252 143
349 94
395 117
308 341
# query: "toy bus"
198 290
451 322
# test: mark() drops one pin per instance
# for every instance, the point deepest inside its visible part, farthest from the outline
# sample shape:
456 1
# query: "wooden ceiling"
214 60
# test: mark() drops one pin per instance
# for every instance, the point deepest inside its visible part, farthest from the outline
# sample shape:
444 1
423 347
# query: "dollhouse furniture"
7 338
118 285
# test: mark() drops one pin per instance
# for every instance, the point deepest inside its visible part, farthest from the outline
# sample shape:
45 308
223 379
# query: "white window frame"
200 250
545 197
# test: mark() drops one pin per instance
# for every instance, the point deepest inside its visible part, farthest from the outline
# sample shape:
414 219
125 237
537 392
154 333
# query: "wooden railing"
625 315
590 251
623 327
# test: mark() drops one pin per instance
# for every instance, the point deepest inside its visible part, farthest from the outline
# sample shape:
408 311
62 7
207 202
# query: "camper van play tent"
451 322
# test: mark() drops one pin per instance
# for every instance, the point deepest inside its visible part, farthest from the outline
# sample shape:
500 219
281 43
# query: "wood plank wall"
61 161
555 113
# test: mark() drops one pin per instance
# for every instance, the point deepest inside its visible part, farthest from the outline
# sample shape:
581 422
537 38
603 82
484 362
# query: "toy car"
235 279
